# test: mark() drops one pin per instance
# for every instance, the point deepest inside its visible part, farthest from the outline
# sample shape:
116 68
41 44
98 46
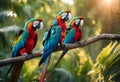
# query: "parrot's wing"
19 43
51 42
68 39
70 36
53 39
46 35
17 36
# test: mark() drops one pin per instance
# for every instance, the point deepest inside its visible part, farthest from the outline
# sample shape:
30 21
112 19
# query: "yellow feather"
16 40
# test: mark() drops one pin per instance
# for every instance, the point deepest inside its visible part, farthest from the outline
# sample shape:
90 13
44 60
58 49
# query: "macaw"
52 37
73 34
24 44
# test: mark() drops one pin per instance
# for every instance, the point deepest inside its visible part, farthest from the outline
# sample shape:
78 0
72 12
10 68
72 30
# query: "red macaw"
24 44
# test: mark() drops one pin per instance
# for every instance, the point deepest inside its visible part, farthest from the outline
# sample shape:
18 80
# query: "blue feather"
68 39
70 36
20 44
51 42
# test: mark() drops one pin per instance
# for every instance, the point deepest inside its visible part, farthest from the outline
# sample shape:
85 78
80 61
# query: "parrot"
24 43
73 35
54 36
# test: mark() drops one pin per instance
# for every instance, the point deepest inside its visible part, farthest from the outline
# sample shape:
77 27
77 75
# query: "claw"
32 53
62 45
25 54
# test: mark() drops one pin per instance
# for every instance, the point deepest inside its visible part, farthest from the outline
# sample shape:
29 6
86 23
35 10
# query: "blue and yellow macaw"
52 37
24 44
73 35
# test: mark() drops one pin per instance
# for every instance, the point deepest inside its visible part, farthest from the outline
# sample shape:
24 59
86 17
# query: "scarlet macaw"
24 43
52 37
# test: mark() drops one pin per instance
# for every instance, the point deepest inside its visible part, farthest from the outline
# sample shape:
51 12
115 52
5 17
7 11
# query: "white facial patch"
69 16
77 21
81 22
35 23
64 15
41 25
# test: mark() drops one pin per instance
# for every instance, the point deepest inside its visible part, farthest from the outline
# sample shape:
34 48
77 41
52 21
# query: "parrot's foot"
62 45
32 53
25 54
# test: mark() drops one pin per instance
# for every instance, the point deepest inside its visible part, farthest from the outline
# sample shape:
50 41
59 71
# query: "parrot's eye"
36 24
77 22
81 22
64 16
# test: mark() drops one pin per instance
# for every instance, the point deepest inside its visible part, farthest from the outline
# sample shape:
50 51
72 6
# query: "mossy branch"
67 46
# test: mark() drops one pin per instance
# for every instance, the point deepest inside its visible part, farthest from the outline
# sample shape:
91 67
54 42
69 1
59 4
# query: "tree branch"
67 46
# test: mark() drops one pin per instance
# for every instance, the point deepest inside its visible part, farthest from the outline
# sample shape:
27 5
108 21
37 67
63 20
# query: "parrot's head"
77 21
38 24
64 15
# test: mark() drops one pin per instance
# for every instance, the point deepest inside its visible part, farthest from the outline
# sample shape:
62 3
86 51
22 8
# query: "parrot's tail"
62 55
41 61
16 71
9 70
19 33
52 71
46 54
43 74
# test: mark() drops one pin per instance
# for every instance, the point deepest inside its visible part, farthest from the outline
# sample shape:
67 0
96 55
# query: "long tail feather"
41 61
46 54
62 55
9 70
46 63
16 71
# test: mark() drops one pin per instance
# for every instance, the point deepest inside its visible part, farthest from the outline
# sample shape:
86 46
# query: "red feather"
78 33
63 26
28 48
42 77
31 42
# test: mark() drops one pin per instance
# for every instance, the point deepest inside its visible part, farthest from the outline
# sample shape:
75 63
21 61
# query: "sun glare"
108 1
70 2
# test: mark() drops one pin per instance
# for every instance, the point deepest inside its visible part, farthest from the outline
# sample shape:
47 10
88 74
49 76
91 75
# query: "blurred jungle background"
97 62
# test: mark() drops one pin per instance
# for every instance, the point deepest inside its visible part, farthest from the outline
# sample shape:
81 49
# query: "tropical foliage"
97 62
108 63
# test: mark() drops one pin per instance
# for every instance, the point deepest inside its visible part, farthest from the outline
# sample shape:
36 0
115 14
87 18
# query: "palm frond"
108 63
